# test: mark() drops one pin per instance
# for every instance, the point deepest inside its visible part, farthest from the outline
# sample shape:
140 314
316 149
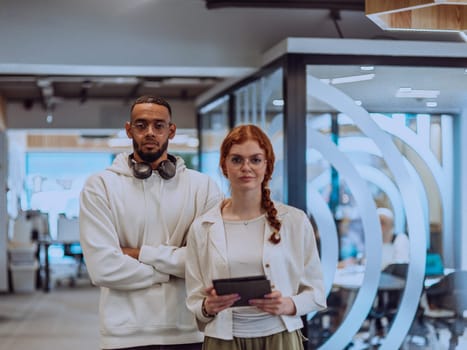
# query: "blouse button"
267 265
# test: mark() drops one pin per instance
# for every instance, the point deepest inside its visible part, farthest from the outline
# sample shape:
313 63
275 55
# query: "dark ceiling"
50 90
184 31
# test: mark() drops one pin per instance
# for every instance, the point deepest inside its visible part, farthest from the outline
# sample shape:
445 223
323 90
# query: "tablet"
252 287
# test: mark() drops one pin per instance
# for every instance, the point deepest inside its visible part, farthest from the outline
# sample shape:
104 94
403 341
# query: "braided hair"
239 135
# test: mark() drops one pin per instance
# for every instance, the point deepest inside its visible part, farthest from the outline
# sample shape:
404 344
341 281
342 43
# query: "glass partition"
214 126
364 154
261 103
361 140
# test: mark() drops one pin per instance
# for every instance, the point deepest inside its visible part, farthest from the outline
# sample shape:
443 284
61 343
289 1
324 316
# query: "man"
395 246
134 218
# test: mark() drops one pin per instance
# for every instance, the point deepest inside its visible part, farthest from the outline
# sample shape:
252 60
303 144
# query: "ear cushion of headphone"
166 169
142 170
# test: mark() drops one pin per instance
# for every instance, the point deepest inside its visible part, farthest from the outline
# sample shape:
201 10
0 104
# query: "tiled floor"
67 318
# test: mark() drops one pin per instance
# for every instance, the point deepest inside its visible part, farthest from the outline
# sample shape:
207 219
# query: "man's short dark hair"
152 99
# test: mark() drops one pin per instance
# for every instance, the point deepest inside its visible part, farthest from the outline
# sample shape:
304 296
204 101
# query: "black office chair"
322 325
450 294
387 304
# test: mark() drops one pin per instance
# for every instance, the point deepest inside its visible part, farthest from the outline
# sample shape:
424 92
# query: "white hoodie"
142 301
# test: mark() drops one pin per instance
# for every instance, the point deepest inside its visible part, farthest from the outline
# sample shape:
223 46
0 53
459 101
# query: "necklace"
248 221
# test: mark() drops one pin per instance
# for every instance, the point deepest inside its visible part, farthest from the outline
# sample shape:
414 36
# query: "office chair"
321 327
450 294
386 306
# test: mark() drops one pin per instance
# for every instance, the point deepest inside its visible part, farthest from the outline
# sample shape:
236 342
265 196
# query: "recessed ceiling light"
411 93
278 103
358 102
432 104
367 68
405 89
352 78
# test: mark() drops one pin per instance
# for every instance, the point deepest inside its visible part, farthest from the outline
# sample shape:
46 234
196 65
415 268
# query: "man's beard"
153 156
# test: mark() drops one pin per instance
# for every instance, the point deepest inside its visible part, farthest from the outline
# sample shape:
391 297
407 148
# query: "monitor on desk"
434 266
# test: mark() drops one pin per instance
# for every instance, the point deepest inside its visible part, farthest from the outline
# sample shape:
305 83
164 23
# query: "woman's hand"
275 304
213 303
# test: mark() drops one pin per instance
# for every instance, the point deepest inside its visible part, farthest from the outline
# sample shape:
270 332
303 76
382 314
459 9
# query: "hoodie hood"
120 165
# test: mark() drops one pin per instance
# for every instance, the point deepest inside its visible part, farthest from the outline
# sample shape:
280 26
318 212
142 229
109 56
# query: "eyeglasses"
255 162
159 126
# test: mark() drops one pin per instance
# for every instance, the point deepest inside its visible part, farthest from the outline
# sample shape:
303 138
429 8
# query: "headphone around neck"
143 170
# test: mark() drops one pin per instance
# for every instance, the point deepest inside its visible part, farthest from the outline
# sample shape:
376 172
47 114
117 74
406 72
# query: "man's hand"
133 252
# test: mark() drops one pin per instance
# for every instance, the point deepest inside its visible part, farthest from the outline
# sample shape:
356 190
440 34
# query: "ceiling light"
188 81
358 102
352 78
412 93
43 83
278 103
367 68
152 84
432 104
405 89
122 80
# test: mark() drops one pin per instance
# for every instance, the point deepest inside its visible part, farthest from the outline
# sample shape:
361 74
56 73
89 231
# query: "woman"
249 235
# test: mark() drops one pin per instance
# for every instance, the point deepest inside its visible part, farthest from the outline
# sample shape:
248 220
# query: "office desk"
351 277
67 235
